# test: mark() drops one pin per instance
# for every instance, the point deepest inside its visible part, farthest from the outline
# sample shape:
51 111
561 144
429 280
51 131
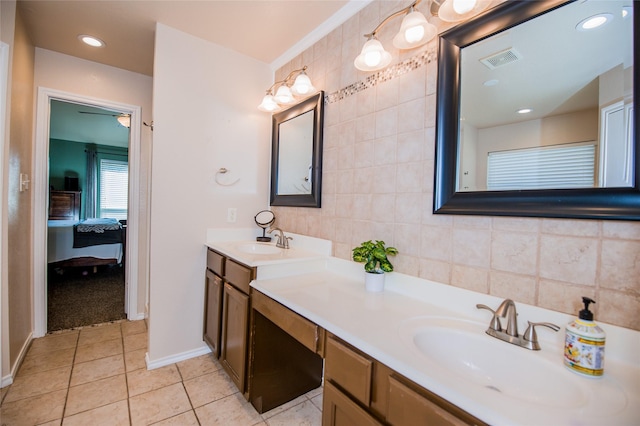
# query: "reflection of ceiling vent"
501 58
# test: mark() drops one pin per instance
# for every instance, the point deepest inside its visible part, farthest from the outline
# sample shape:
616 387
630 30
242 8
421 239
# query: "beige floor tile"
208 388
96 394
53 342
56 422
143 380
38 383
98 350
32 411
135 342
284 407
135 360
302 414
159 404
198 366
91 335
101 368
184 419
317 401
133 327
232 410
116 414
47 361
3 392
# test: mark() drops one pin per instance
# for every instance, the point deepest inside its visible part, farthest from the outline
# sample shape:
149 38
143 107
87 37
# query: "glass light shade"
459 10
268 104
302 86
284 95
415 31
124 120
372 57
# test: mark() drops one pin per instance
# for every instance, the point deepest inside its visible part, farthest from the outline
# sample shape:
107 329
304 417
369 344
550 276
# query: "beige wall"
204 103
378 184
19 203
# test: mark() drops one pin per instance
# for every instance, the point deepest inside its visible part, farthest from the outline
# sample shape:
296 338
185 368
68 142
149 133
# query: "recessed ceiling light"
524 110
594 22
491 82
91 40
626 11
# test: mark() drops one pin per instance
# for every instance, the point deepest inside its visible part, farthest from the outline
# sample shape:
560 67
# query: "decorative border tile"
386 74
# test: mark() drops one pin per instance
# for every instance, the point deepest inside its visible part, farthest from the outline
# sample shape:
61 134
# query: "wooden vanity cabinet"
360 390
226 328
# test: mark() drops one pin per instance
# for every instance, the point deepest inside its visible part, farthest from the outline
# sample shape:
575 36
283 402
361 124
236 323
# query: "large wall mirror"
296 154
535 114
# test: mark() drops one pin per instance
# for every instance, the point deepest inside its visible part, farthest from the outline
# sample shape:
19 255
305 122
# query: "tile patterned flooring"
97 376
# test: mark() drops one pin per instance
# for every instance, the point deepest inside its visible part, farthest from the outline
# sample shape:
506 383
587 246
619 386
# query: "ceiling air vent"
501 58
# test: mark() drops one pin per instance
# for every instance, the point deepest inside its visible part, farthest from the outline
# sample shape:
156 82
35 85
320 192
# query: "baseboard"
8 379
151 365
136 317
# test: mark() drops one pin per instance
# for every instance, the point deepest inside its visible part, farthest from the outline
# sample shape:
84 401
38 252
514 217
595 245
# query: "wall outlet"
232 213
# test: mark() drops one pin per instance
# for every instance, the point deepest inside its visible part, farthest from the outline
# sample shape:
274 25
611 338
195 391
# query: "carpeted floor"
76 300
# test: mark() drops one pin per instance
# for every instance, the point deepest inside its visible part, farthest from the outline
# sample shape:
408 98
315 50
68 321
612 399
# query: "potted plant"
376 262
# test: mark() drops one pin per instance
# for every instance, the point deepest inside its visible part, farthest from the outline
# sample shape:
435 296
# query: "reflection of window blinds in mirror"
550 167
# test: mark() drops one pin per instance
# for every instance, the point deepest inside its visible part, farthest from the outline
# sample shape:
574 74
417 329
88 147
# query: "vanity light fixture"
457 10
287 90
414 31
593 22
91 40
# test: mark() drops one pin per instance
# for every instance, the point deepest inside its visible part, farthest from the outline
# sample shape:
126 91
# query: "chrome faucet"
507 309
282 241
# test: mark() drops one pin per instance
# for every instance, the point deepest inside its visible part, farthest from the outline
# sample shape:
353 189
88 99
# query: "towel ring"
223 171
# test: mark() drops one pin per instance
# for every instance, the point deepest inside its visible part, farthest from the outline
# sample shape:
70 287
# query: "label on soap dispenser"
584 348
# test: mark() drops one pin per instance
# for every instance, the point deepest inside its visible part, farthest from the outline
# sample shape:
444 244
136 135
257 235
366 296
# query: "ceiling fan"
123 119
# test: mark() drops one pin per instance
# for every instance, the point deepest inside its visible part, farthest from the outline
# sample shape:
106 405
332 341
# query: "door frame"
41 201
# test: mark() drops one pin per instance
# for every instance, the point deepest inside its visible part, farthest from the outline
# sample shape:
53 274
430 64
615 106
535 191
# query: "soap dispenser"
584 344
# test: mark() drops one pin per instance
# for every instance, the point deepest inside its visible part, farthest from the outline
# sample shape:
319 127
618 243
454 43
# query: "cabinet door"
339 410
213 312
235 319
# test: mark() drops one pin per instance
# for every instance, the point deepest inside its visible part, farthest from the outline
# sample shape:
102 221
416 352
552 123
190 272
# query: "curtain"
91 190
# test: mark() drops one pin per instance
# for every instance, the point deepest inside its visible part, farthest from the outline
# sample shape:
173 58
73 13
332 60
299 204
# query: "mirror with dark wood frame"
452 196
296 154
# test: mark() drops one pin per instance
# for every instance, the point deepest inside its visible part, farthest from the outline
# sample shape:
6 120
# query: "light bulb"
372 58
302 85
283 95
268 104
414 34
463 6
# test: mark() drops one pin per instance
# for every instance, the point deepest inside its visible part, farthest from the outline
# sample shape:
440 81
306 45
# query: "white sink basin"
461 349
257 248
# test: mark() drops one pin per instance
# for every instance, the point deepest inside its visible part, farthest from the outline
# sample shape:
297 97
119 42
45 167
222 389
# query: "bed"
87 243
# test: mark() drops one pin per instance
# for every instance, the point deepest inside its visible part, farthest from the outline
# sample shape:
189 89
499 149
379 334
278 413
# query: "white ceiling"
261 29
271 31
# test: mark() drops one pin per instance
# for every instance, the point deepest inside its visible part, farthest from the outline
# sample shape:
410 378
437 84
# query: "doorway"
41 199
88 184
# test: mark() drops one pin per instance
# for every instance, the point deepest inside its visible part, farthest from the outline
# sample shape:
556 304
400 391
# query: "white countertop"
376 323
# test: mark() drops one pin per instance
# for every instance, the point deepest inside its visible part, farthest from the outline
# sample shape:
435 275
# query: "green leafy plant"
374 256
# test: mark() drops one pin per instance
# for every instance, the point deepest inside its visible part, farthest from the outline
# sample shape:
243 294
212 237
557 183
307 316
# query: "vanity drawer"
410 404
215 262
298 327
349 369
238 275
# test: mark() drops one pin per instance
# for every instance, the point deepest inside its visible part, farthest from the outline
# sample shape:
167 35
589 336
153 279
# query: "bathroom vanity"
416 353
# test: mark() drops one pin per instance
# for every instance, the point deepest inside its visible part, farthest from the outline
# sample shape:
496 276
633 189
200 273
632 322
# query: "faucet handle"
495 321
286 241
531 336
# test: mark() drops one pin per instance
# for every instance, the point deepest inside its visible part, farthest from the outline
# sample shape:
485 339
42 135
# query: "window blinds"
114 181
552 167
